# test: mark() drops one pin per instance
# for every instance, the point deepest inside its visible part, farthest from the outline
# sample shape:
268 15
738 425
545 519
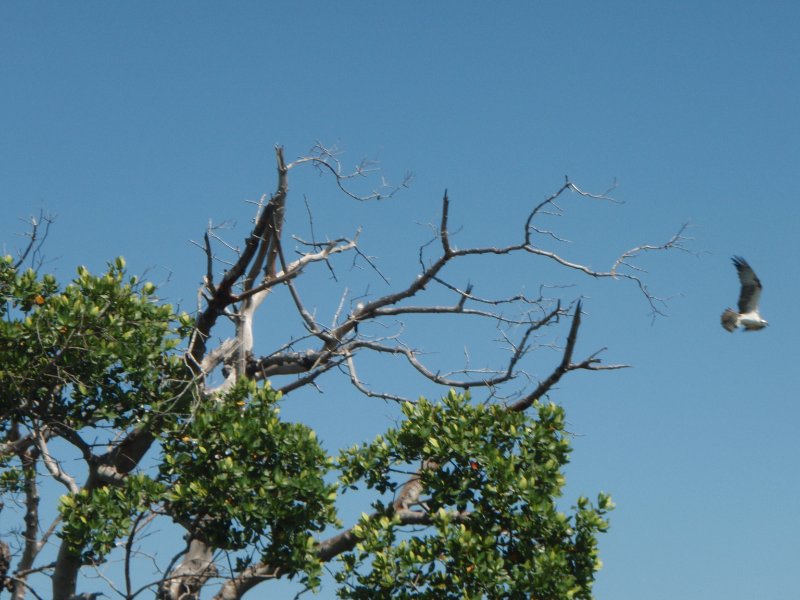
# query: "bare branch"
222 296
443 230
257 263
458 309
36 237
603 196
676 241
326 160
209 282
308 319
335 339
219 354
135 527
411 357
359 385
53 466
559 371
392 305
17 446
294 268
22 585
312 375
564 367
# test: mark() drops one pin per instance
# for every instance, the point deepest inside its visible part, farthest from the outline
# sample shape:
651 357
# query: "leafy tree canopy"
105 391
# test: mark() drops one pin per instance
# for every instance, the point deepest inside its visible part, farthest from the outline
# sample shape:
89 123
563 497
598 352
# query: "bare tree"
263 265
272 259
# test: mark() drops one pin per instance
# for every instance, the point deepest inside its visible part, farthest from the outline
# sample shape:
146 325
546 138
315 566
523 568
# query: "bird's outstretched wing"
751 286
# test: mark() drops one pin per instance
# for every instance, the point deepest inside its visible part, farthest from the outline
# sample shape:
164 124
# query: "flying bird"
748 315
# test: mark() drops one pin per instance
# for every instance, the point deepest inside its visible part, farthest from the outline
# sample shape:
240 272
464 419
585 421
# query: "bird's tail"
730 319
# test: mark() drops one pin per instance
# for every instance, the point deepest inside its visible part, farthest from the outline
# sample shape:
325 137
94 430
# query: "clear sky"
136 123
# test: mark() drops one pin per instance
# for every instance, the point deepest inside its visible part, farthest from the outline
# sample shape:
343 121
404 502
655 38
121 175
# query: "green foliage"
96 350
95 521
497 531
242 477
102 352
11 478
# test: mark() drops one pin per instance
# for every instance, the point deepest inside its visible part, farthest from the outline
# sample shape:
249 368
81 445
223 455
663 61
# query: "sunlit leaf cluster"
98 349
242 477
491 499
94 523
103 354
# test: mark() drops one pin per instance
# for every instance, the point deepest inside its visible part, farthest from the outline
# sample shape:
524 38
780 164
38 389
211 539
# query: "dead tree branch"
262 265
238 282
39 228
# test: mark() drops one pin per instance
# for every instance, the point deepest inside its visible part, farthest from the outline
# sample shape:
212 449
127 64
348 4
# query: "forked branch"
262 265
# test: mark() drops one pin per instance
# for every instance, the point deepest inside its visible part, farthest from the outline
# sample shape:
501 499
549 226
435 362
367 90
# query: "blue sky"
138 123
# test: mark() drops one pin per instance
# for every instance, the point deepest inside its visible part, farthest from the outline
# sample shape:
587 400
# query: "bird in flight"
748 315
